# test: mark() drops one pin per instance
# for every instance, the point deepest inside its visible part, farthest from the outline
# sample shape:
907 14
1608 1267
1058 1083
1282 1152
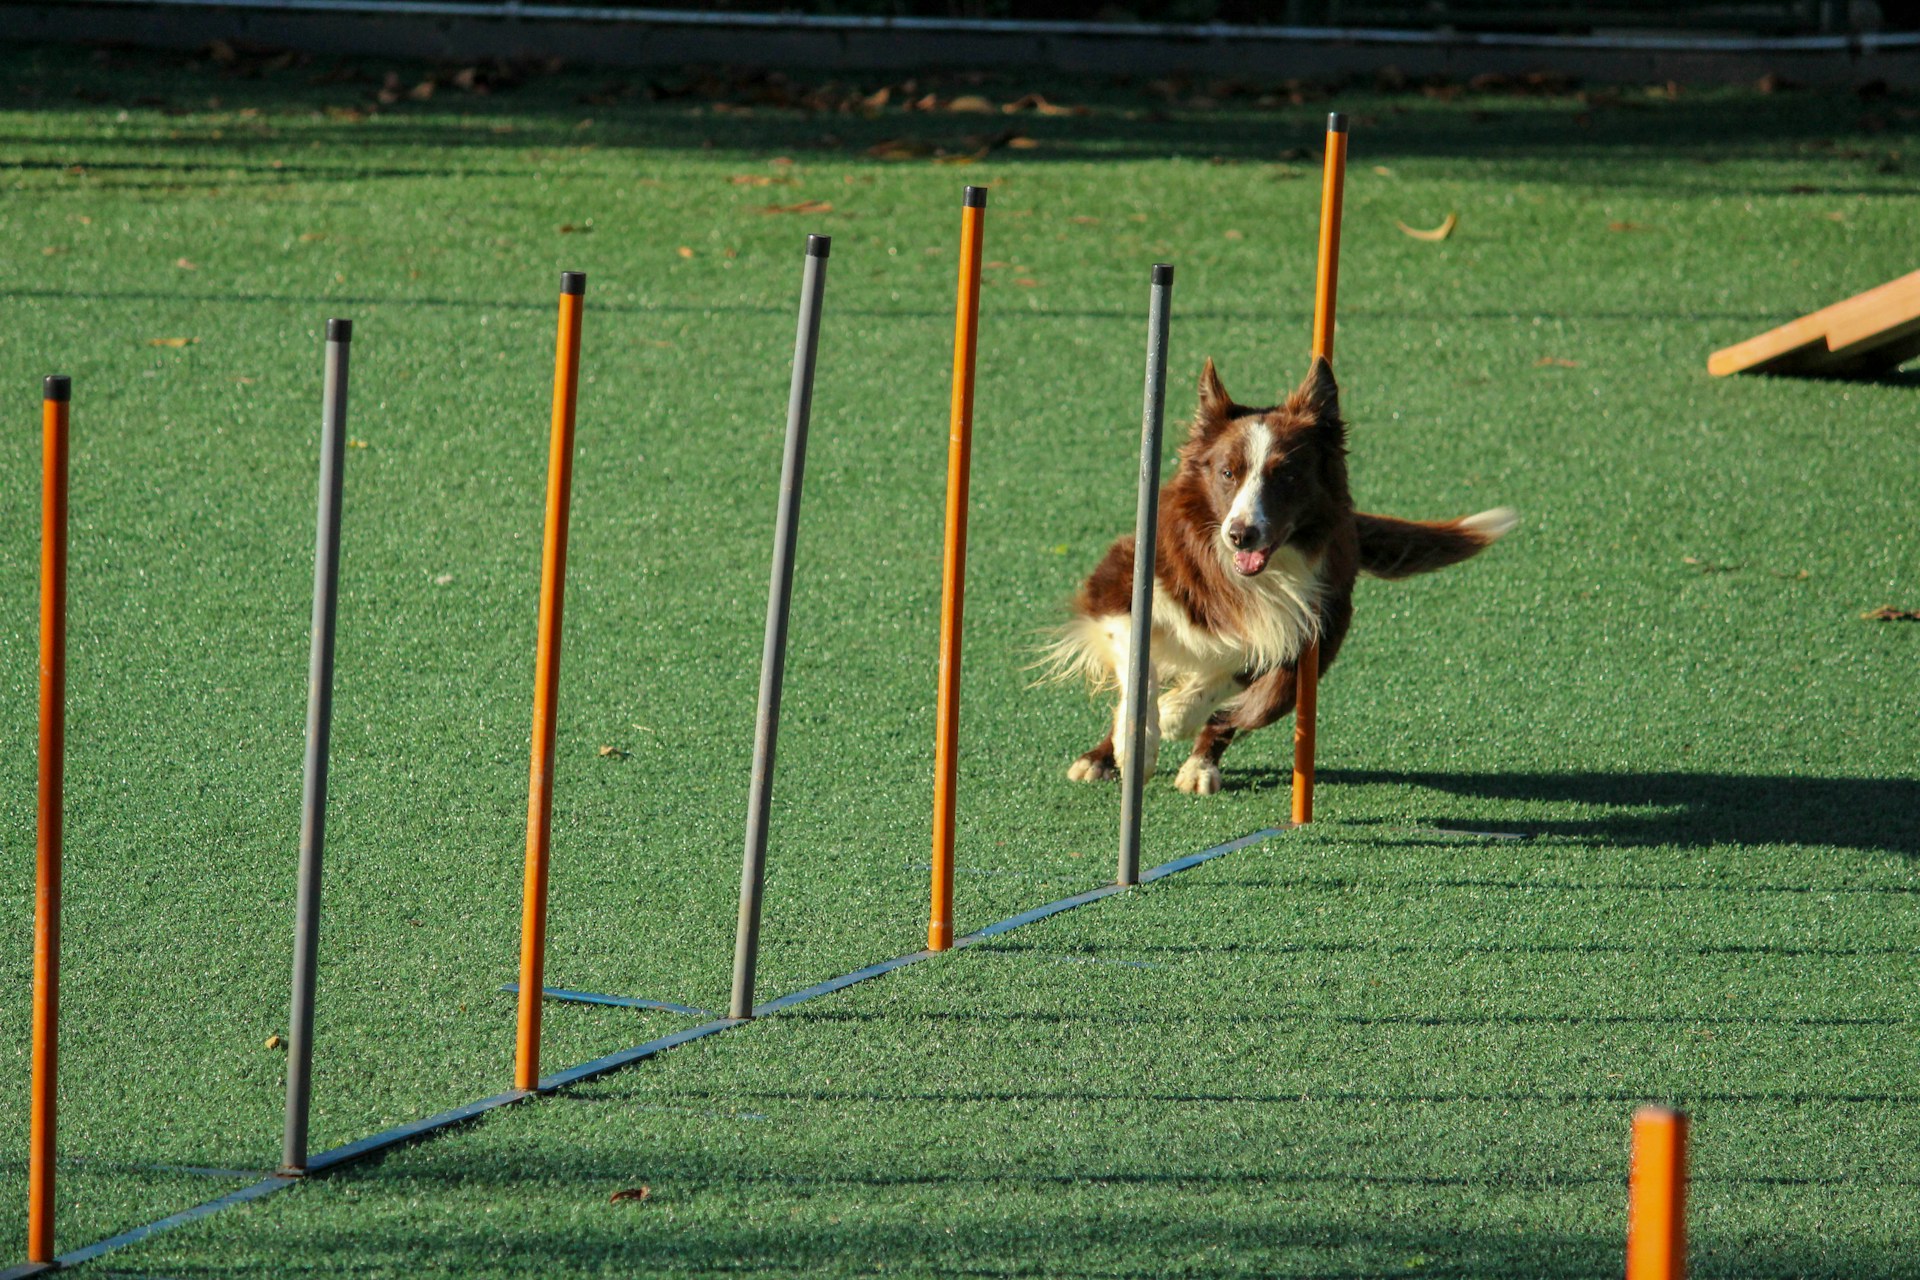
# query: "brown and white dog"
1258 549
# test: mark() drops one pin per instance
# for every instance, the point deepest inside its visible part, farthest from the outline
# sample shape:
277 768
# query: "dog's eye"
1226 473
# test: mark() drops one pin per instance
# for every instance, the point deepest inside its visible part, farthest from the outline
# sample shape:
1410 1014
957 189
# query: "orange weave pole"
53 746
1326 285
546 680
946 750
1657 1197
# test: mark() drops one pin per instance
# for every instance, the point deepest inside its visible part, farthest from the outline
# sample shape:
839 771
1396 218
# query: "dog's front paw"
1095 766
1198 777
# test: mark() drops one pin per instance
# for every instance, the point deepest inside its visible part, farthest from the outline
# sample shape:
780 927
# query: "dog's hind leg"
1123 710
1096 765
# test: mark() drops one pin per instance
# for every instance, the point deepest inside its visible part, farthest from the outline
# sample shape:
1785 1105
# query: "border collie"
1257 552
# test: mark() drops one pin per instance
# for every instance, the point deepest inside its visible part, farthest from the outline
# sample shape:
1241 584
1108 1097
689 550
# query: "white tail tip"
1492 524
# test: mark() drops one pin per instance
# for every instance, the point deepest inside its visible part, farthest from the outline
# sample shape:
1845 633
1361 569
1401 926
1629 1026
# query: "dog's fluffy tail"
1391 548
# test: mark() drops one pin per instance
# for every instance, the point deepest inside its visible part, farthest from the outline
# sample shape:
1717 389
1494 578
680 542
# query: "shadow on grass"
1111 1224
1555 137
1689 810
1007 314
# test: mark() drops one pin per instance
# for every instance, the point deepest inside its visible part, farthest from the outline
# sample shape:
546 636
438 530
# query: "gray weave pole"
773 656
1133 778
313 805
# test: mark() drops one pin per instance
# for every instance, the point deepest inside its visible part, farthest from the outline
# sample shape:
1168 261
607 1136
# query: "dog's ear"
1318 395
1318 402
1216 406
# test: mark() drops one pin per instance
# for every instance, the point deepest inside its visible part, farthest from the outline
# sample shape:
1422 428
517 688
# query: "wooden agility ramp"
1872 332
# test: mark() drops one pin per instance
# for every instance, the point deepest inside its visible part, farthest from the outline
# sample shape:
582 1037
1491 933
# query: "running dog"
1258 547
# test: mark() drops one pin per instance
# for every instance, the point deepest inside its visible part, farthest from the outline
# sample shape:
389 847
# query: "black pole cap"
339 331
819 246
1163 273
573 283
59 387
976 198
1336 122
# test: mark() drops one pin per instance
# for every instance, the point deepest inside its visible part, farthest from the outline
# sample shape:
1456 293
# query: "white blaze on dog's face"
1271 476
1248 528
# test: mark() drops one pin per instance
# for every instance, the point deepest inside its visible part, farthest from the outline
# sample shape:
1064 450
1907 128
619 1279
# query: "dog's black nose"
1242 535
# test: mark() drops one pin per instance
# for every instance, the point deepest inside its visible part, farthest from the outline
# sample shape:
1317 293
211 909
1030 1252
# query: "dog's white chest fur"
1271 619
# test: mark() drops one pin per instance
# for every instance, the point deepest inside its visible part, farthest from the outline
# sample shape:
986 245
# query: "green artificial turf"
1363 1049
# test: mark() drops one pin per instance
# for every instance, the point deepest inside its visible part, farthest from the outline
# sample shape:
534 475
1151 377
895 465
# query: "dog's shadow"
1690 810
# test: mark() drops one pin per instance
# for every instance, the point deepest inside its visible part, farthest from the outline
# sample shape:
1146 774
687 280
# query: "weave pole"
57 394
953 581
1657 1196
1142 703
773 653
313 800
1326 285
546 679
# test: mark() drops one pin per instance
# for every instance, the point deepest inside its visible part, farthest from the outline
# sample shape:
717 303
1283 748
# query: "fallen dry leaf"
900 149
1710 566
965 157
758 180
1236 235
805 206
1027 282
171 342
684 251
442 579
422 91
1383 171
1021 142
580 228
1626 226
1083 220
185 265
617 753
53 250
1887 613
275 1042
877 99
1556 362
353 442
308 237
1439 233
971 104
632 1195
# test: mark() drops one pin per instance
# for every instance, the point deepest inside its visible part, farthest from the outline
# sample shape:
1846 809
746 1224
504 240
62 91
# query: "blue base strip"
264 1187
418 1129
406 1133
626 1057
1208 855
621 1002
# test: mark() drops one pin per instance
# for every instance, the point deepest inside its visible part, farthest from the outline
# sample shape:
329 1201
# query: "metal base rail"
415 1131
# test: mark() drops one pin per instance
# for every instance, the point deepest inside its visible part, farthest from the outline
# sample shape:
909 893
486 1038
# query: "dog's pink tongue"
1250 562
